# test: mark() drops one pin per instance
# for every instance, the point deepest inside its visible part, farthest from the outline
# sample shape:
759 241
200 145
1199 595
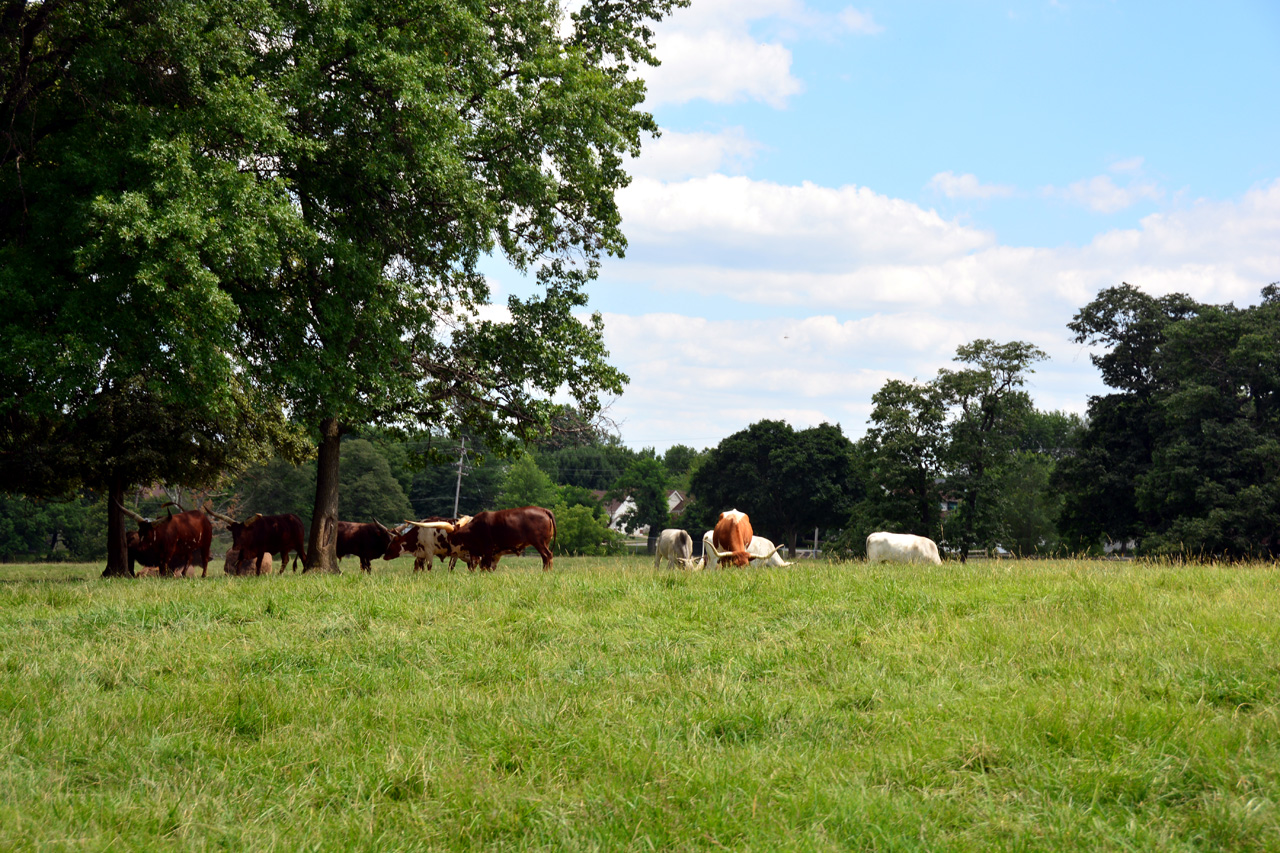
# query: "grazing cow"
492 533
233 565
901 548
760 550
424 543
266 534
677 546
365 541
731 538
171 542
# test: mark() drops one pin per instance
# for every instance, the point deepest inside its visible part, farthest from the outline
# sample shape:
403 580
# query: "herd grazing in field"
171 545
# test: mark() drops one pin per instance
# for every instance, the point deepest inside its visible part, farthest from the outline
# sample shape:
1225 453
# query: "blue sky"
843 194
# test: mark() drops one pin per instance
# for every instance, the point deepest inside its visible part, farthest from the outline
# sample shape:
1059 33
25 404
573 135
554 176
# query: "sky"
842 195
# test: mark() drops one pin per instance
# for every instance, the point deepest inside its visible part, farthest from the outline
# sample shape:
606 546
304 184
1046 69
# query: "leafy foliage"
789 481
1185 456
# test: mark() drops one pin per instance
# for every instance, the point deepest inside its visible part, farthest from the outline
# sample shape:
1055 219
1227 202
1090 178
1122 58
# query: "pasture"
608 706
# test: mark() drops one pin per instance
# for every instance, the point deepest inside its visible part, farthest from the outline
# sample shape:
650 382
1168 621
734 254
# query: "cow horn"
435 525
208 508
382 527
172 503
771 553
132 514
719 553
256 516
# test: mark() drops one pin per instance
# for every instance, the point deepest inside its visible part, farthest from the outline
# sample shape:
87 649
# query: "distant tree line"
1181 459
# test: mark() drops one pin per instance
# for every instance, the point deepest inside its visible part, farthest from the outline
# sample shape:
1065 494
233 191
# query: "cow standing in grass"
364 541
485 537
901 548
266 534
171 542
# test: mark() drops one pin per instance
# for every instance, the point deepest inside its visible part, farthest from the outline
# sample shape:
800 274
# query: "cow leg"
546 557
418 563
366 565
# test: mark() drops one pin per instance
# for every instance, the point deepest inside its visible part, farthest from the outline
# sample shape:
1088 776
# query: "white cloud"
967 186
816 295
673 155
1131 164
859 22
782 226
1101 194
722 66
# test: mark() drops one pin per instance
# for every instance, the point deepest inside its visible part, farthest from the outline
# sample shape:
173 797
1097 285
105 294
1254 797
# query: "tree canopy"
245 207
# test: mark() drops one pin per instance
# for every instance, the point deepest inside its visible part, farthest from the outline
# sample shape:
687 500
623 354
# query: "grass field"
608 706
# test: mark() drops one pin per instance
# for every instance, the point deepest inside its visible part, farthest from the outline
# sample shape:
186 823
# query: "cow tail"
553 525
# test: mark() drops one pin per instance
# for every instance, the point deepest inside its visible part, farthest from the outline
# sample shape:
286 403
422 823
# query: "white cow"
677 547
901 548
434 542
762 551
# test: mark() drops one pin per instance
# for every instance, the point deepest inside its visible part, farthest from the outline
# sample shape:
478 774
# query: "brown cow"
488 535
365 541
731 538
266 534
171 542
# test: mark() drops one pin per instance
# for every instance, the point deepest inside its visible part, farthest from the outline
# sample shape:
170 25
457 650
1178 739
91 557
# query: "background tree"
122 208
416 141
1099 482
788 481
369 491
527 485
646 482
988 413
903 451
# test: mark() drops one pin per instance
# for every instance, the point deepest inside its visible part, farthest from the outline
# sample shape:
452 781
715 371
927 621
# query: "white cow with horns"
676 546
901 548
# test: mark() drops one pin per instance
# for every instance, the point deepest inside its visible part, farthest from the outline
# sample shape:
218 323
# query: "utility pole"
457 490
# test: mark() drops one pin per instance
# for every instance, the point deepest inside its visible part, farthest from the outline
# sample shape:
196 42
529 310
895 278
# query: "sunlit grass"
606 705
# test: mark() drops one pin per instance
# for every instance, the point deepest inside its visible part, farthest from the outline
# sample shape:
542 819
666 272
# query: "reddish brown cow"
267 534
731 538
365 541
171 542
490 534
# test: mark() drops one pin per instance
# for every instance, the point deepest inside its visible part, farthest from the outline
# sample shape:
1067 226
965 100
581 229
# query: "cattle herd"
174 543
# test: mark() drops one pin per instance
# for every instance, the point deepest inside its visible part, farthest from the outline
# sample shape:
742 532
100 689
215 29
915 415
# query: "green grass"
607 706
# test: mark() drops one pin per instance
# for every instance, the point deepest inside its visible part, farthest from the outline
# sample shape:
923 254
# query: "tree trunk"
117 548
652 546
322 547
791 544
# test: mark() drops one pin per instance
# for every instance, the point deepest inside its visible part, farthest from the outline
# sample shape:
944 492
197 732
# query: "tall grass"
1043 705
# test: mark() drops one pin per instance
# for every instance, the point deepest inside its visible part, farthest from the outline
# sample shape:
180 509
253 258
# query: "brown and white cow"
731 539
424 543
488 535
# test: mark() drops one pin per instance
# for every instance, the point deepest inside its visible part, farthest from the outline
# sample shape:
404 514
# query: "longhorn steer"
366 541
677 546
760 550
731 540
267 534
488 535
171 542
901 548
424 543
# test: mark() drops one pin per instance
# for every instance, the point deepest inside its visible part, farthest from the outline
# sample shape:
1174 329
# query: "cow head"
733 533
237 528
405 539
